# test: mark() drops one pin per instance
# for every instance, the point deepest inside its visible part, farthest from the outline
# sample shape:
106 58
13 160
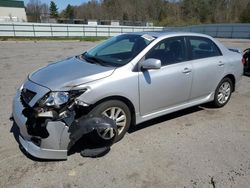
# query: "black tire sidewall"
97 110
216 102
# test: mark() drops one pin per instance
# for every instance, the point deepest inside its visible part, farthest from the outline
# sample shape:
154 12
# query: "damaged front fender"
90 123
53 134
49 133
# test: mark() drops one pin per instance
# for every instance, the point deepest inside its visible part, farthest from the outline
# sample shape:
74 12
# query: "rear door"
208 66
170 85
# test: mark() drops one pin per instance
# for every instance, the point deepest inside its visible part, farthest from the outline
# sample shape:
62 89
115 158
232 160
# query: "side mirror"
151 64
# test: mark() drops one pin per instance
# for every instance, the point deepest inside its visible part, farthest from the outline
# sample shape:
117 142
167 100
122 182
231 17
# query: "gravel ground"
196 147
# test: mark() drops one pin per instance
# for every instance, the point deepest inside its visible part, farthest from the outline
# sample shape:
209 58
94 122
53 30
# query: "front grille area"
27 96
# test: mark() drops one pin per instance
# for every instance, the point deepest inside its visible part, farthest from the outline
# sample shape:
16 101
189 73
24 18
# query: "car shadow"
88 141
168 117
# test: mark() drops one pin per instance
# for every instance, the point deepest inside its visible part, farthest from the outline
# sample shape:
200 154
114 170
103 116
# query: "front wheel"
117 111
223 93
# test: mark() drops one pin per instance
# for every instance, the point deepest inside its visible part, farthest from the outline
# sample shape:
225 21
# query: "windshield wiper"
82 57
97 60
94 60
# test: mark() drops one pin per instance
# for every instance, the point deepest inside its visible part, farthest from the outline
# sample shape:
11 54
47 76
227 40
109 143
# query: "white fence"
77 30
67 30
237 30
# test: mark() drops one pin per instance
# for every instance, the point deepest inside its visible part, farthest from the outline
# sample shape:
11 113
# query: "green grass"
91 39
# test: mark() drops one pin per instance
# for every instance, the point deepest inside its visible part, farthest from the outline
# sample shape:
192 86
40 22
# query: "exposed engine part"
68 117
48 114
38 118
36 126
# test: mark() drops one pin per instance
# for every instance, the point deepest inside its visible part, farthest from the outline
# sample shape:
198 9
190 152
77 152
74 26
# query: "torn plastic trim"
61 138
88 124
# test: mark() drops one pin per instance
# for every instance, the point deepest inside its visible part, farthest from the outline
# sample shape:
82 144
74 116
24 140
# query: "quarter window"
169 51
203 48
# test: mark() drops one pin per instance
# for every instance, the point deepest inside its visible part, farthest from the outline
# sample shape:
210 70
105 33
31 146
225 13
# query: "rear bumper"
52 147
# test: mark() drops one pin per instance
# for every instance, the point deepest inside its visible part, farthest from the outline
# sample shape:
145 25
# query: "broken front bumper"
48 133
52 147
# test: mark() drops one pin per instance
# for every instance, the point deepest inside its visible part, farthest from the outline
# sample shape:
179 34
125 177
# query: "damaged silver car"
129 79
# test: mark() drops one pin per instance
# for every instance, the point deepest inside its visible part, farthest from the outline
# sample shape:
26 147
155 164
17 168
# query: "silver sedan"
130 78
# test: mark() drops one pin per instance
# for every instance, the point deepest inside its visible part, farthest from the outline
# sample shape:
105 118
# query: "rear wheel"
117 111
223 92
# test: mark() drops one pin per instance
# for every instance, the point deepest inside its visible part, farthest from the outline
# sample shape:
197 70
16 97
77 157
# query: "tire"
223 93
106 107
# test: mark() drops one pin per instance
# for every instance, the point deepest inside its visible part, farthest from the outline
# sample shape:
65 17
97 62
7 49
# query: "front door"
169 86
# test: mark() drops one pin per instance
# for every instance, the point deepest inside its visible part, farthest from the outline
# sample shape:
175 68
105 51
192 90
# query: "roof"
159 34
11 3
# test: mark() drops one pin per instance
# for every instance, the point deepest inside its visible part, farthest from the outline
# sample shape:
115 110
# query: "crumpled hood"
68 73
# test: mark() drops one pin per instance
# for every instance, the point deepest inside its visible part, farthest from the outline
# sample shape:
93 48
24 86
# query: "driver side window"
169 51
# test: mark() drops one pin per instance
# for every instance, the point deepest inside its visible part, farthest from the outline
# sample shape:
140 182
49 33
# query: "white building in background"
12 11
115 22
92 22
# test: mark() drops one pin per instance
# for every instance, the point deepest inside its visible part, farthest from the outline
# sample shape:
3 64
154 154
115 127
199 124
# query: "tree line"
160 12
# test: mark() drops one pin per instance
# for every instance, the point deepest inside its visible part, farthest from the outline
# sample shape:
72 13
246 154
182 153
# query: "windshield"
118 50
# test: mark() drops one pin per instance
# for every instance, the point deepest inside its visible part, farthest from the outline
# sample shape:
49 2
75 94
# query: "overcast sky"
61 4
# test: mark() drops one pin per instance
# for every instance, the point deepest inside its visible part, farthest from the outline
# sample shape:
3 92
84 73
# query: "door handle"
186 70
220 64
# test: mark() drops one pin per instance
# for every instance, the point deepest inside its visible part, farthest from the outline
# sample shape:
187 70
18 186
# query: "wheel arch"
232 78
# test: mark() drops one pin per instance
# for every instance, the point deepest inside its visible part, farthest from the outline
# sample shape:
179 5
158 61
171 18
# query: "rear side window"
203 48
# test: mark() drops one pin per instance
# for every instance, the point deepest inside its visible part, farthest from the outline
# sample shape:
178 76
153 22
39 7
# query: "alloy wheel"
119 116
224 92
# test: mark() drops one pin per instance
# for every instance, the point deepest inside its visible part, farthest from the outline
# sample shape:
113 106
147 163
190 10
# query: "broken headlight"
56 99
